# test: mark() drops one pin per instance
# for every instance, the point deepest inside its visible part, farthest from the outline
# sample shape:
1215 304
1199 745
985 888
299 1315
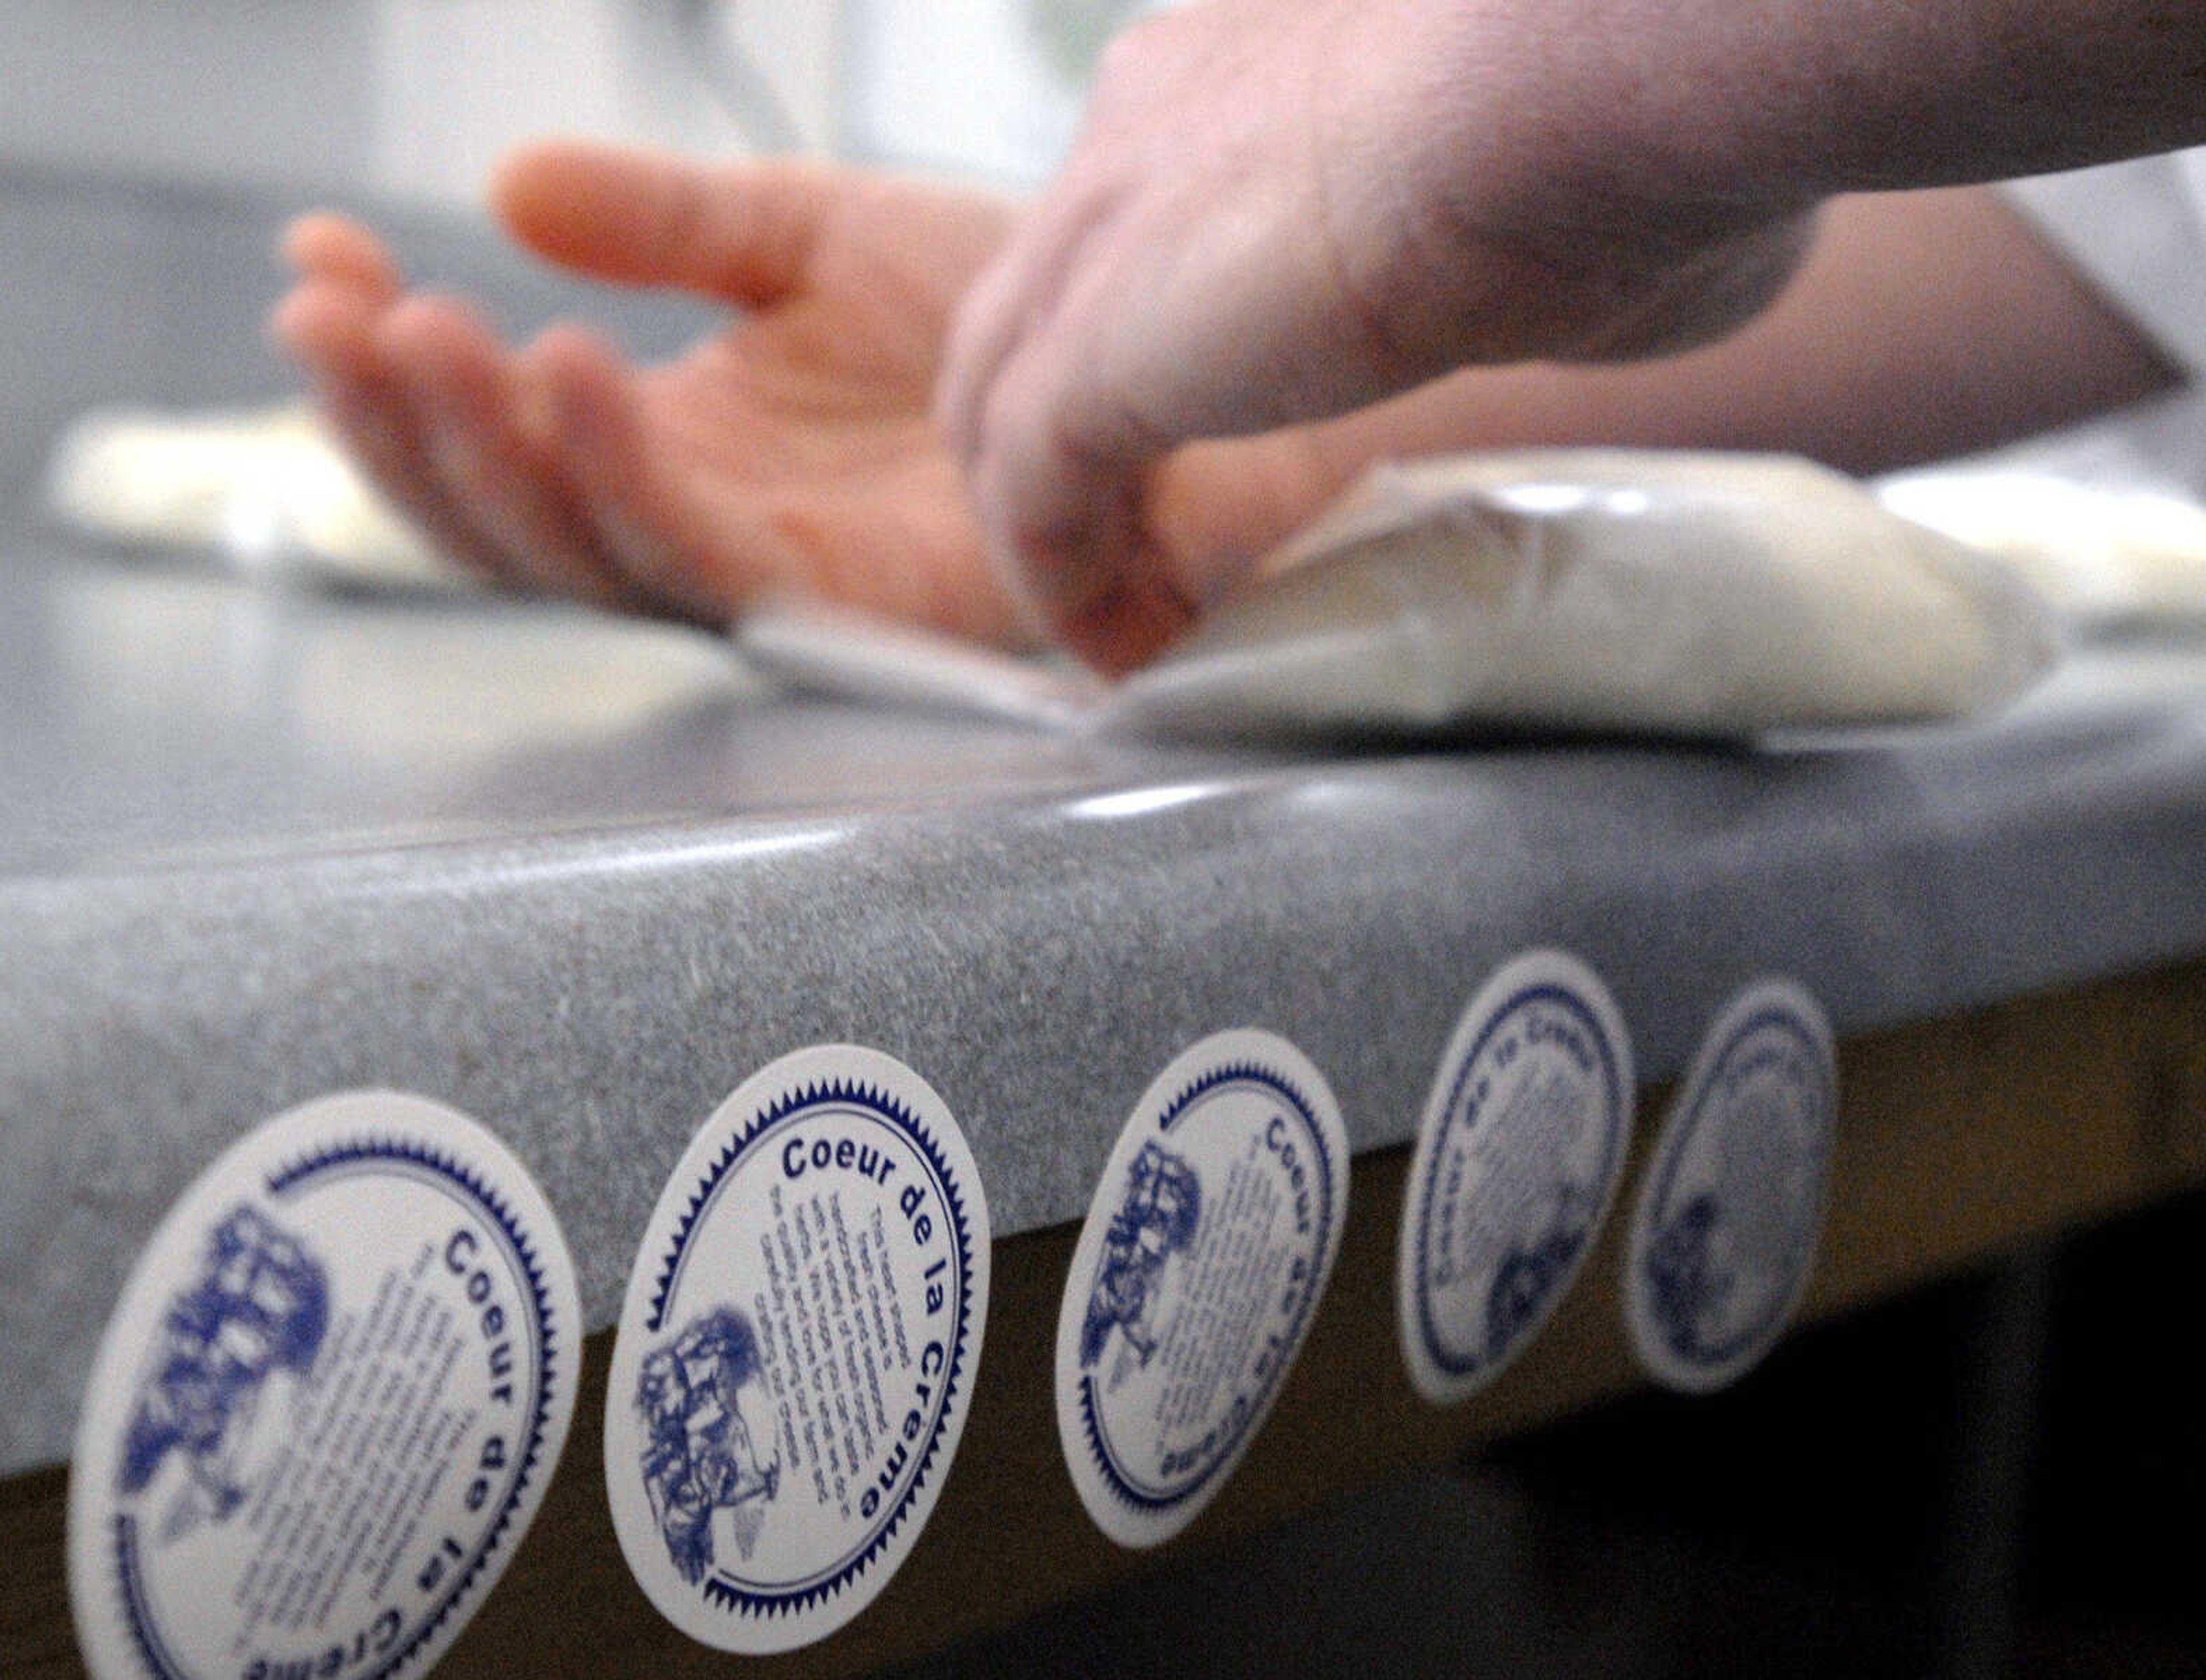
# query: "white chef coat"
2136 231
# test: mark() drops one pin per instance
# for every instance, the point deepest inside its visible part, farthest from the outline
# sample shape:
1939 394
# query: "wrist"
1545 189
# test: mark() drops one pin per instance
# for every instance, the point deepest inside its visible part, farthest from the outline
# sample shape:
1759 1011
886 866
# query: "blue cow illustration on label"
1687 1287
261 1306
1158 1219
701 1458
1529 1272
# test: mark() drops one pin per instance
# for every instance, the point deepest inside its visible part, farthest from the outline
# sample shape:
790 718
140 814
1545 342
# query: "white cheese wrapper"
267 490
1667 593
2110 558
820 647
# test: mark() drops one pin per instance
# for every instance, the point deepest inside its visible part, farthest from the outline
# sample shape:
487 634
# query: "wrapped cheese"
1601 591
266 491
2111 559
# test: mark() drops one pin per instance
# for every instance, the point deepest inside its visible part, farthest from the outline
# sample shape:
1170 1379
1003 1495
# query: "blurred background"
413 99
150 152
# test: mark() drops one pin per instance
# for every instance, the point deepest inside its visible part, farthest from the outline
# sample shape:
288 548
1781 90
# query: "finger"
1061 494
327 246
496 465
703 556
744 234
988 325
331 331
328 328
1005 305
1127 624
1218 508
1114 614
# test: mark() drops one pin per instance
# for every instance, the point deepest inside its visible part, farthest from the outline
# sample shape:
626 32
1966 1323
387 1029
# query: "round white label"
798 1352
1205 1250
1518 1156
328 1402
1724 1237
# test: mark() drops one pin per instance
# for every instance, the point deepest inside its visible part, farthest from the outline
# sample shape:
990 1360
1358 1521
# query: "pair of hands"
793 452
932 407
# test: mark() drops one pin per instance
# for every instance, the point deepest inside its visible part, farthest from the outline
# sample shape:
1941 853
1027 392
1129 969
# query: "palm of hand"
800 434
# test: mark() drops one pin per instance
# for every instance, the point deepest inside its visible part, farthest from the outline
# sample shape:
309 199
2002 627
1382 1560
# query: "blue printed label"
1724 1238
327 1405
797 1352
1518 1159
1205 1250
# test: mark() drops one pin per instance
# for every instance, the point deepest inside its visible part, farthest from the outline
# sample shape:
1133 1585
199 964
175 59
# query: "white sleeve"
2136 231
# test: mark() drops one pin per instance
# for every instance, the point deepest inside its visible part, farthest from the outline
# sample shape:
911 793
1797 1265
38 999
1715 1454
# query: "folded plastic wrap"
1603 590
819 648
265 491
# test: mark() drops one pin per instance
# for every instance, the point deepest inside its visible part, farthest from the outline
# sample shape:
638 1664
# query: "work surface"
581 877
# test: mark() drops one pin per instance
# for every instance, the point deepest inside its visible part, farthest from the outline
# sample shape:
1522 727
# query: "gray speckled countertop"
580 877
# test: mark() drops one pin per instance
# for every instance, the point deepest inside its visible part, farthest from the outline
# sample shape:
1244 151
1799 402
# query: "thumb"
742 234
1069 537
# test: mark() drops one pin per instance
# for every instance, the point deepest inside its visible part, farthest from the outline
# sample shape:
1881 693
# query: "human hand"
792 452
1284 209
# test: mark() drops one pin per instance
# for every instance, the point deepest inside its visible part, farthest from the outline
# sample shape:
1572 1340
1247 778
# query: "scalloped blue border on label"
1097 1446
807 1101
1619 1108
446 1173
